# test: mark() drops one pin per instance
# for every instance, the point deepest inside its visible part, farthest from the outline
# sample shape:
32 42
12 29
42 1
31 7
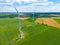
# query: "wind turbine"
19 22
33 16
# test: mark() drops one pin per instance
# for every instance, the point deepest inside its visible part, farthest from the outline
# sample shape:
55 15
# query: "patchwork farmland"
34 32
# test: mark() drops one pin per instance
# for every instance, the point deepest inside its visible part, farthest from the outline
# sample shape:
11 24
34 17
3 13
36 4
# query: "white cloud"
30 8
19 1
7 9
40 6
45 0
43 4
26 1
42 0
1 0
26 9
38 2
51 8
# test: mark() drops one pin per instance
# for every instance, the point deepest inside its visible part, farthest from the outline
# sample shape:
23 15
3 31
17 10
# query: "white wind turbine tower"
19 22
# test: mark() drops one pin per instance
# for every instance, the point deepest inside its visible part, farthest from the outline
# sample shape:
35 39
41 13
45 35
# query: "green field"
8 29
58 20
36 34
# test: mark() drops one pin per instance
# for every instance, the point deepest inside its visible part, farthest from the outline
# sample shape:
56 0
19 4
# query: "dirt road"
47 21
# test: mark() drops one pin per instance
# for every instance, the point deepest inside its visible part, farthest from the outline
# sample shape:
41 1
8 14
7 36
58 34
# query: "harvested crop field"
47 21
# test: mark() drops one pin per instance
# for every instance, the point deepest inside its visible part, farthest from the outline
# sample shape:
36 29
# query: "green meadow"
36 34
58 20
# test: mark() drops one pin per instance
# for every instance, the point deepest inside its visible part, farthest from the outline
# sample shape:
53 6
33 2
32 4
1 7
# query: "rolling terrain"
35 34
48 21
44 29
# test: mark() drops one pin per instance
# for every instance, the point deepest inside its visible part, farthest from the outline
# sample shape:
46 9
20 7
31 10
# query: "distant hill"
28 14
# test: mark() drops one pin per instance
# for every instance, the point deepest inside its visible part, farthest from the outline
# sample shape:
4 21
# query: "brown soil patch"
47 21
23 18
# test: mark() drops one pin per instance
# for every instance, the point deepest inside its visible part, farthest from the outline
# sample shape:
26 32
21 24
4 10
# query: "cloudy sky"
30 5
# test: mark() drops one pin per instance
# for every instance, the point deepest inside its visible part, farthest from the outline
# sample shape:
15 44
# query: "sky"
30 5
